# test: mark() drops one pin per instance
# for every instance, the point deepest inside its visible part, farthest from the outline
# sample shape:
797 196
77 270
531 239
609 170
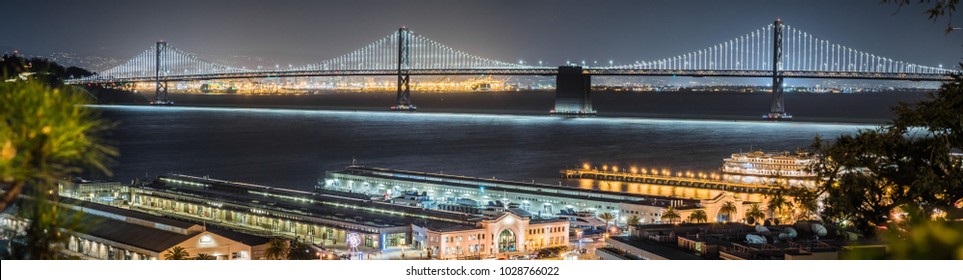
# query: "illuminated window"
206 239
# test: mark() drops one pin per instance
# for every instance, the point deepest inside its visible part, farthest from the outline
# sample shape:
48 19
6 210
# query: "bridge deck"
530 72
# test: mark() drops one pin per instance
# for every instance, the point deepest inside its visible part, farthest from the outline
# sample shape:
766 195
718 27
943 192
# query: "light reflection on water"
293 148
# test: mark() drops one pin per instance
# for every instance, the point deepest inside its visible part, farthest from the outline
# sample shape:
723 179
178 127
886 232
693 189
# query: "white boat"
768 167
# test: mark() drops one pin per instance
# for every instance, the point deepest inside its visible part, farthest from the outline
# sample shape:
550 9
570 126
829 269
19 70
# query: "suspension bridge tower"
777 109
160 87
404 72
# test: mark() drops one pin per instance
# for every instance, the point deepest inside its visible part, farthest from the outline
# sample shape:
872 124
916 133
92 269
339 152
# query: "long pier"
667 180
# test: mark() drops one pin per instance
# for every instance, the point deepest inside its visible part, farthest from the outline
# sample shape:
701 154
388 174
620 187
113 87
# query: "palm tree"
204 257
670 215
777 203
277 249
728 209
698 216
634 220
299 251
607 217
177 253
754 214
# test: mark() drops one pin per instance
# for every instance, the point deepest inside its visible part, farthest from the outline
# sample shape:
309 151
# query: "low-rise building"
513 231
731 241
111 233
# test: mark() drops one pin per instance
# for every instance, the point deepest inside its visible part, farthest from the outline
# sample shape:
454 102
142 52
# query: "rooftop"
152 239
326 205
668 252
129 216
518 187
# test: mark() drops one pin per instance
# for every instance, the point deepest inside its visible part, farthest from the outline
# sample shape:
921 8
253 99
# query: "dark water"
294 147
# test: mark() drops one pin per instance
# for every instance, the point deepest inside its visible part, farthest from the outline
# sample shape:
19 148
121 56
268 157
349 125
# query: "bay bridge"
777 51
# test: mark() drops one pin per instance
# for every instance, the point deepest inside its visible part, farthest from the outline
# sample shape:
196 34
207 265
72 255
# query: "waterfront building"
111 233
376 209
454 192
328 218
513 231
325 218
102 191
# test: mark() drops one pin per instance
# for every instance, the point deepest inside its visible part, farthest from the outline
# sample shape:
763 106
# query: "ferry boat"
162 102
767 167
404 108
777 116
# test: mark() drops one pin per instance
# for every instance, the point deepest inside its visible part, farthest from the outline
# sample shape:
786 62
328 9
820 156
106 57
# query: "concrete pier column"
573 88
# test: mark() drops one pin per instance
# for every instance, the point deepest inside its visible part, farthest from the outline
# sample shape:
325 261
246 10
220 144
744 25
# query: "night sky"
300 32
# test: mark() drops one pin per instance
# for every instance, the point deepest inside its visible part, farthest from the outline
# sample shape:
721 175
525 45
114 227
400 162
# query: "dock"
692 182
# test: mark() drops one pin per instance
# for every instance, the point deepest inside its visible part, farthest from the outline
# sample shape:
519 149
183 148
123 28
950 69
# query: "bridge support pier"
573 89
777 108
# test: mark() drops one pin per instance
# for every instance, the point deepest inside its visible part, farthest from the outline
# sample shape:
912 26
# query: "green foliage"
778 202
204 257
607 217
670 215
277 249
300 251
177 253
44 70
728 209
906 166
937 9
698 216
755 213
634 220
45 135
919 237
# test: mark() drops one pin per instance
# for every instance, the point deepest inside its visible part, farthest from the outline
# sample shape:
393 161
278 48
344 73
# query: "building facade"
507 234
